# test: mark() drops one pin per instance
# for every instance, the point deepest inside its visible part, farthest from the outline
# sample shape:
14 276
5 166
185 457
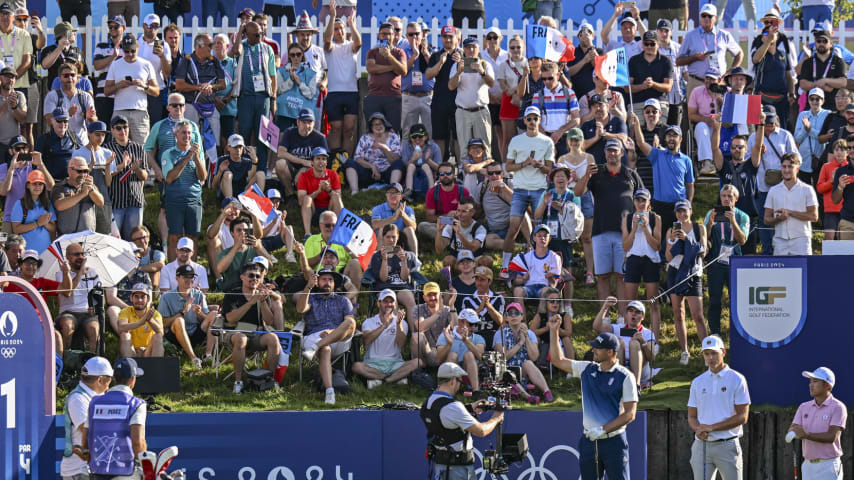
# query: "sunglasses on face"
492 174
413 34
553 300
187 277
21 19
650 112
492 37
129 51
514 313
706 15
81 171
516 48
21 149
120 127
548 79
64 120
253 276
295 54
737 147
69 75
820 41
398 29
177 105
649 44
115 27
445 174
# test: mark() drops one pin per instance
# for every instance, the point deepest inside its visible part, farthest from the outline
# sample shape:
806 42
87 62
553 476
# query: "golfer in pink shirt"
819 424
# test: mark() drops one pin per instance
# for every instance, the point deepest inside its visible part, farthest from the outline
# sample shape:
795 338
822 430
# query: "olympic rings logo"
8 352
535 471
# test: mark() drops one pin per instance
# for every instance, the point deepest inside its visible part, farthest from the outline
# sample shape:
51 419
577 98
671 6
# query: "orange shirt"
824 185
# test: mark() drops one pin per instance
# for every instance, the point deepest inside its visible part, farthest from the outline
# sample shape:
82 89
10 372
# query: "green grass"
202 391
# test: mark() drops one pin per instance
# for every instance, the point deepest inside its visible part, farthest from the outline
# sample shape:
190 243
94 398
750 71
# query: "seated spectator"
13 252
30 264
275 232
74 199
237 169
186 316
384 335
442 200
551 305
183 257
315 244
140 326
74 312
790 208
642 244
296 88
276 300
328 262
102 163
318 189
614 103
14 174
185 172
422 158
494 196
392 267
474 163
637 344
118 297
78 103
295 147
377 157
329 324
685 253
488 305
219 232
463 283
248 308
519 346
131 174
542 266
838 157
429 320
33 216
702 105
230 261
151 261
462 346
727 229
463 234
58 144
396 212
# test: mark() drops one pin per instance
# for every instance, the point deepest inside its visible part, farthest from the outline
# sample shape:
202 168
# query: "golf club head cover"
147 460
165 458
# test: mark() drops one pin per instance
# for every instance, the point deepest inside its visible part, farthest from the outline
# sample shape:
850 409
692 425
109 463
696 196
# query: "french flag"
124 178
56 250
356 235
548 43
518 265
258 204
613 67
741 109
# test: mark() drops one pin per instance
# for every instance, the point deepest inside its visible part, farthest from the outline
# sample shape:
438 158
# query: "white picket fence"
369 31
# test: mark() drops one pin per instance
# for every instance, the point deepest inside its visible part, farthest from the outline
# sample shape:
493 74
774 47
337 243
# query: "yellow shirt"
140 336
13 46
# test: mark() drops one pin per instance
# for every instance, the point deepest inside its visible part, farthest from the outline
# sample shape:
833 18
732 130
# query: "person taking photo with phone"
16 172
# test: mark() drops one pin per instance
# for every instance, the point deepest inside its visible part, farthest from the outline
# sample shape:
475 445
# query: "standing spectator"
630 30
74 199
558 106
157 52
59 143
652 130
705 48
377 157
580 68
199 76
102 163
668 10
183 259
171 10
807 127
216 9
296 85
717 419
345 8
173 37
13 106
775 143
741 174
642 244
79 104
509 74
818 11
790 208
773 69
613 191
842 178
29 23
237 169
473 10
314 54
422 158
417 91
33 216
14 175
277 9
385 64
443 107
105 54
254 84
603 127
226 104
495 57
704 103
125 8
578 161
132 80
551 8
318 189
342 101
819 424
16 48
184 171
838 157
64 50
669 48
824 69
131 173
650 75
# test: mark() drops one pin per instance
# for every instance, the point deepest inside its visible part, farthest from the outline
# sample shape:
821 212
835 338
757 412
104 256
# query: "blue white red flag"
613 67
548 43
741 109
258 204
356 235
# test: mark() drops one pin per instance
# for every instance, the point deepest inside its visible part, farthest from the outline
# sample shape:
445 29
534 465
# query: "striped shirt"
102 50
555 106
126 187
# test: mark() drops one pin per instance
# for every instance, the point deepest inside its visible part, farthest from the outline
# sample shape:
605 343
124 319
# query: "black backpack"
436 188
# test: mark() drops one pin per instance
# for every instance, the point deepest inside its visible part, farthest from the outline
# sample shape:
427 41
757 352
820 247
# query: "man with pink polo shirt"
819 424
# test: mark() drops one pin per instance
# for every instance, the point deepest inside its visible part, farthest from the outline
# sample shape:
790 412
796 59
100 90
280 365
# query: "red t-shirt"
46 287
448 201
309 183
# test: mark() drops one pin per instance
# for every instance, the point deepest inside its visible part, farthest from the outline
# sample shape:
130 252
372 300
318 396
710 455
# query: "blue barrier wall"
351 445
822 298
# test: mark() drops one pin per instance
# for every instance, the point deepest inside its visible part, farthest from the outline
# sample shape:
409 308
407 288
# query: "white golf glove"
595 433
790 436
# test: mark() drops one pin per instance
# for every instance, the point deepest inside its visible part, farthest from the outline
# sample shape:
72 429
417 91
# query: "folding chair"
222 352
298 332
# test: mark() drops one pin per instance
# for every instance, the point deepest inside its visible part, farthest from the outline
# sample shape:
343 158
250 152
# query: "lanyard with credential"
826 68
3 48
714 36
249 56
549 206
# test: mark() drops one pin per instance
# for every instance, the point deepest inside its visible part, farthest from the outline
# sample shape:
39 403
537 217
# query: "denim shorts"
184 219
523 198
533 290
608 254
587 205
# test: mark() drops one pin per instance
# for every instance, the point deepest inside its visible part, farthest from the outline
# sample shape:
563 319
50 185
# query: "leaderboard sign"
27 393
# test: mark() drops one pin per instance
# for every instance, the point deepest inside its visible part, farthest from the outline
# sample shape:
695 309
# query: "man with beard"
602 127
104 55
78 103
74 312
295 150
183 258
231 260
74 199
442 199
824 69
384 337
581 67
140 326
328 262
790 208
672 171
329 324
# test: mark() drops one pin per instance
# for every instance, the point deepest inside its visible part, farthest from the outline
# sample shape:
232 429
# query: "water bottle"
420 160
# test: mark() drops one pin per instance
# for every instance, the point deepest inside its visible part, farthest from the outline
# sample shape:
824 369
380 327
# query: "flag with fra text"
548 43
613 68
356 235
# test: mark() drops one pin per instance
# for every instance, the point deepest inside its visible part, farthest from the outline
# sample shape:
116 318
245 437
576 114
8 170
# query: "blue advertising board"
356 444
27 394
789 314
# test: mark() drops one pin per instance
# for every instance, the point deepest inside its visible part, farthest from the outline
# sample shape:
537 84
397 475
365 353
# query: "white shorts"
338 348
827 470
792 246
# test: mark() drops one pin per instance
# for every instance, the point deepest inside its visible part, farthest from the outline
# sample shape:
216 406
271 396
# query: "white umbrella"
110 257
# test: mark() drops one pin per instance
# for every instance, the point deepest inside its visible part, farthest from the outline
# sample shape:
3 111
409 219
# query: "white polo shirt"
715 396
472 91
797 198
78 411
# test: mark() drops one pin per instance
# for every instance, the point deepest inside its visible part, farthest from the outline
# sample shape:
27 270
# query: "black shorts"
339 104
443 118
80 9
197 339
494 108
831 220
641 270
691 288
279 11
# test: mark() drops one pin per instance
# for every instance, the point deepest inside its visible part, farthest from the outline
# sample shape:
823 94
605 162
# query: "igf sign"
27 390
770 301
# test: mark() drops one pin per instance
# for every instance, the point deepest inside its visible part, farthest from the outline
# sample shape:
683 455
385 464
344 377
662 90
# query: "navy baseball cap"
126 368
119 119
306 115
318 151
474 142
642 193
683 204
59 113
97 126
228 201
469 41
605 340
673 128
18 140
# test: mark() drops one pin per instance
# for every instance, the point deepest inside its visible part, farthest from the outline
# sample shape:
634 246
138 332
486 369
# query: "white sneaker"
569 375
330 397
309 354
683 360
238 388
207 358
372 384
274 259
197 363
708 168
291 257
403 381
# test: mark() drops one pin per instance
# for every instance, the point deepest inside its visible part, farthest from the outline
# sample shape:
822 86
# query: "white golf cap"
387 293
494 30
185 243
151 19
274 193
141 288
532 110
816 91
468 315
97 366
235 140
260 260
451 370
821 373
709 8
637 306
30 254
651 102
713 342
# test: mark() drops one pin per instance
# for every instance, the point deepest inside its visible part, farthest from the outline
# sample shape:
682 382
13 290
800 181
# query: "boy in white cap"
637 349
184 256
237 168
819 424
460 345
95 378
718 406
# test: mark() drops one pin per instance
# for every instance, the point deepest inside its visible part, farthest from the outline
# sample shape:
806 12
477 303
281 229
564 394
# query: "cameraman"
450 425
